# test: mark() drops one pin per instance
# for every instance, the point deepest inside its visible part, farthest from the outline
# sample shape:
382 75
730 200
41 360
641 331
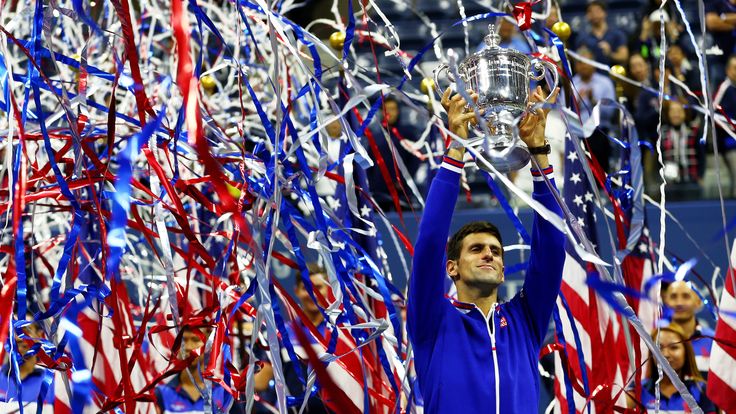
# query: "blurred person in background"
683 158
647 39
31 376
679 354
183 394
682 68
643 104
393 127
724 102
683 304
720 20
594 87
608 44
322 290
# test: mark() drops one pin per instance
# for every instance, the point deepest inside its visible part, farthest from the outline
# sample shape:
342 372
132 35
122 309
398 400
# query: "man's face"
583 69
480 262
320 284
392 112
595 15
731 70
683 301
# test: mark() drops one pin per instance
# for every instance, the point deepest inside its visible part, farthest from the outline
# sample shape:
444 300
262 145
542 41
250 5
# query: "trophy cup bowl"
501 79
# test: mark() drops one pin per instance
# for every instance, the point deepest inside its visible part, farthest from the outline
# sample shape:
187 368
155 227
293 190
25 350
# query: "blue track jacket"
454 360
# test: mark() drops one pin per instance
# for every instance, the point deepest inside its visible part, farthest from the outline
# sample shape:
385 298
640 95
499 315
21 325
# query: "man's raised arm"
544 275
426 285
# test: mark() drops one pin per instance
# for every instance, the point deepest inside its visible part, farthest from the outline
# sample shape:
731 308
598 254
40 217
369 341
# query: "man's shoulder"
704 332
584 38
614 33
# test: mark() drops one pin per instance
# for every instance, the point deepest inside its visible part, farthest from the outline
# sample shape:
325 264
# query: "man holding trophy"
476 355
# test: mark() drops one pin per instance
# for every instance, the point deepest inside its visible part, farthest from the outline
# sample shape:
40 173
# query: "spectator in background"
545 45
608 44
668 87
31 376
684 303
183 393
643 103
682 69
554 15
393 128
679 353
720 20
593 87
321 289
647 43
724 100
681 154
724 103
640 71
265 400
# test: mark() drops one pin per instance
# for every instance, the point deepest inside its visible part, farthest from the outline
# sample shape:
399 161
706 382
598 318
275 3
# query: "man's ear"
699 303
451 268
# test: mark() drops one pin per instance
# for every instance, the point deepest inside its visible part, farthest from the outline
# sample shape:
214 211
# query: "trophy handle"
538 66
437 71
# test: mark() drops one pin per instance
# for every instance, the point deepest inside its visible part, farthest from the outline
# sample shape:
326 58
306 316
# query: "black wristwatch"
544 149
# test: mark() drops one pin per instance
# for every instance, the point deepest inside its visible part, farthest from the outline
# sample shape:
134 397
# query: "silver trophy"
501 78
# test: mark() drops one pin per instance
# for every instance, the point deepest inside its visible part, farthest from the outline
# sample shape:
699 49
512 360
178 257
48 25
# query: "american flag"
722 373
591 332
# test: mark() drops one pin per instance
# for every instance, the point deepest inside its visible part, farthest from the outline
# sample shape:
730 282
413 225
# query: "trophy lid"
492 39
494 49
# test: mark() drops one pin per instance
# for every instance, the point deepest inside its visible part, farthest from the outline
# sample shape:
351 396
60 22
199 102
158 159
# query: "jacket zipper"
492 334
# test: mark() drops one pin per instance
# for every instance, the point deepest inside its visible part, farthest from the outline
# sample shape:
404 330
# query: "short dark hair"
730 58
393 99
456 241
313 268
598 3
584 51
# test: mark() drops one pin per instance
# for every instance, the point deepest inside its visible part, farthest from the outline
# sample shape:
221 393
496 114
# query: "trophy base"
505 159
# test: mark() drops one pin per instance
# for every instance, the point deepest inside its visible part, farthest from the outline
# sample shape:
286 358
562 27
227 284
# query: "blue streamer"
121 198
349 32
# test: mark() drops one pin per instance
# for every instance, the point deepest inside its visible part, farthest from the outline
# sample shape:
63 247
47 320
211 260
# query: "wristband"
544 149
